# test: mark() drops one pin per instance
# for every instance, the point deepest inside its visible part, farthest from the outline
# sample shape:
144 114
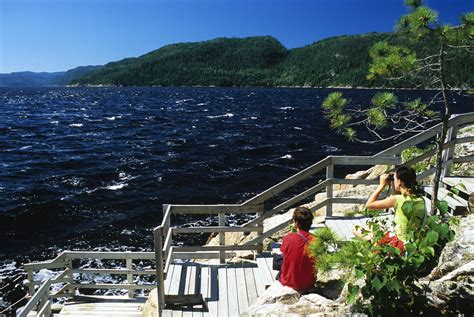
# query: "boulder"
150 309
451 283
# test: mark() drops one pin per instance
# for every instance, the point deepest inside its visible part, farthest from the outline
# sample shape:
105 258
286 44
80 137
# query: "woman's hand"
384 179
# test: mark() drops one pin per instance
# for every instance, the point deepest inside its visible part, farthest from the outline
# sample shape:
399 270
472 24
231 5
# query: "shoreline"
249 87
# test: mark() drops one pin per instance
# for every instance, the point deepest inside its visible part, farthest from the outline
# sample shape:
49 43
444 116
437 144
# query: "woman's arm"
373 203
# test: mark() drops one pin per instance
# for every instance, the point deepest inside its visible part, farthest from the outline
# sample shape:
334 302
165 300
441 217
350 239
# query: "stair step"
455 182
455 203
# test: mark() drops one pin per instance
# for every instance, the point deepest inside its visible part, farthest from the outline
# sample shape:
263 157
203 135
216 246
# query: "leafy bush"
381 279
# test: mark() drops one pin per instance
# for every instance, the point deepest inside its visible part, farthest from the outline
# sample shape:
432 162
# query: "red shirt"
297 270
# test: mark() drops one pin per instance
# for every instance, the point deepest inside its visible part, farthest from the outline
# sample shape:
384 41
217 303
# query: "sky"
57 35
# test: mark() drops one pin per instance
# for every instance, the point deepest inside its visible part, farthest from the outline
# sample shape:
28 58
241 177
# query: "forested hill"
264 61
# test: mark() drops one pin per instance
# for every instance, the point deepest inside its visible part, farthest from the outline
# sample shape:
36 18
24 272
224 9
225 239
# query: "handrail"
40 300
64 263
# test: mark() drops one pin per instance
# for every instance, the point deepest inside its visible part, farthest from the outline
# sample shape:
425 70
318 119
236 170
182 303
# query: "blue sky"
56 35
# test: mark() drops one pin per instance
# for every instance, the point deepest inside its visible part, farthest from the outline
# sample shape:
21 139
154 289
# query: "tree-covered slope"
220 62
264 61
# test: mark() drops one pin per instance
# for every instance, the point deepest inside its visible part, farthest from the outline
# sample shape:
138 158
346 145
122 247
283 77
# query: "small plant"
383 279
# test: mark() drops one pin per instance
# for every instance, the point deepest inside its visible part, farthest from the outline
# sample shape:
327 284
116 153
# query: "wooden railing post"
31 285
222 237
260 231
70 277
329 193
449 151
131 292
160 283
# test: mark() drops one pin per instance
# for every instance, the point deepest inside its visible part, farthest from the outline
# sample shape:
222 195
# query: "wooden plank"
191 255
212 229
331 224
214 209
242 290
113 271
168 279
204 276
232 291
175 279
464 159
289 182
110 255
251 287
217 248
259 280
365 160
112 286
264 270
222 304
269 260
455 203
457 181
213 291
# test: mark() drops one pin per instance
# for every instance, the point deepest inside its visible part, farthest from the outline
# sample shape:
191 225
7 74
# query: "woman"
409 205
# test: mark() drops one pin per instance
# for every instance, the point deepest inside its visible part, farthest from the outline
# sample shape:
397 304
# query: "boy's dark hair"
303 218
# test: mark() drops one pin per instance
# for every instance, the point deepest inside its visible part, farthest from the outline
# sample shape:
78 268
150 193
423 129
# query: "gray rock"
451 283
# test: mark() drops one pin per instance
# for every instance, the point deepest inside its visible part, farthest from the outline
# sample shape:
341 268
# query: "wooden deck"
227 289
111 308
343 226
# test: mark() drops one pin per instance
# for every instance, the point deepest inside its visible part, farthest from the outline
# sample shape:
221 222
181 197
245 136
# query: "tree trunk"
444 130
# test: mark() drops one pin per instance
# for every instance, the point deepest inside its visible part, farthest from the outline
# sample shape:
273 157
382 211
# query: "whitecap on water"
227 115
182 100
25 147
116 186
287 157
76 125
54 122
329 148
203 103
286 108
297 128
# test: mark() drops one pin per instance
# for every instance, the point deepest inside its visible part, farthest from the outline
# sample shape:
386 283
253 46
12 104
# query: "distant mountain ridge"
264 61
44 79
341 61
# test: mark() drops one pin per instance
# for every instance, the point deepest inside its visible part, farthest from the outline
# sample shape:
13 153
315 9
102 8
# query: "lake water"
91 167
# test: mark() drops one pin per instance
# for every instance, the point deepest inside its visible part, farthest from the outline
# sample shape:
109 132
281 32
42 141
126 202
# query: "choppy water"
91 167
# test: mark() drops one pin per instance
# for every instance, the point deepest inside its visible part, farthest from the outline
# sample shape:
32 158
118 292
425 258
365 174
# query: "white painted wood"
175 279
250 283
259 280
222 305
110 255
289 182
222 238
264 270
212 229
213 291
364 160
205 288
213 209
232 291
456 181
241 287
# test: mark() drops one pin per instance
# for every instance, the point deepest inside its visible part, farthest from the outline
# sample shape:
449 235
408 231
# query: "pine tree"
399 63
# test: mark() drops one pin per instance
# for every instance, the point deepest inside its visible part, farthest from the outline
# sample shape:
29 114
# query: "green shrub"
381 280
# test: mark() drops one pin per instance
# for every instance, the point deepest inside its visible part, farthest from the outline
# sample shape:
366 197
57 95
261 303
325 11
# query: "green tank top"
409 212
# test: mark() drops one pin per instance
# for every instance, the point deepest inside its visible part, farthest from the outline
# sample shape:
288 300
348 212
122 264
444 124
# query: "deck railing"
69 277
166 251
